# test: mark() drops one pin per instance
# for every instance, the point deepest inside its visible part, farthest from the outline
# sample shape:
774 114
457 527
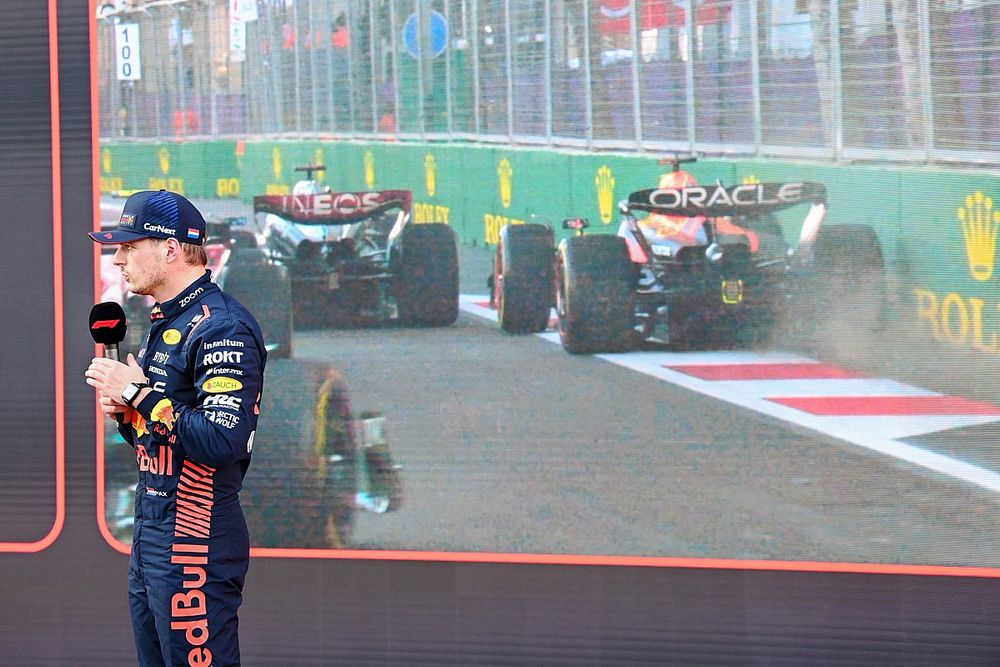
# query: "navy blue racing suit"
193 434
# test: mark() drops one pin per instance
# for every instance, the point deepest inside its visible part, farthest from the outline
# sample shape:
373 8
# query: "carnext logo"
159 229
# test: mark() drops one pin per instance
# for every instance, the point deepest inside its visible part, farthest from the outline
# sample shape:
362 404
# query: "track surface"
512 445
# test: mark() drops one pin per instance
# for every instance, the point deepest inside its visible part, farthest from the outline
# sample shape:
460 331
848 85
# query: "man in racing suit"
682 230
188 404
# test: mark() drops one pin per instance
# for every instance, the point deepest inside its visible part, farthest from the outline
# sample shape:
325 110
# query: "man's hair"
194 255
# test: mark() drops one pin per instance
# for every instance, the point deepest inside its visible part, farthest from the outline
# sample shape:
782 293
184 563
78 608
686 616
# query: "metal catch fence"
909 80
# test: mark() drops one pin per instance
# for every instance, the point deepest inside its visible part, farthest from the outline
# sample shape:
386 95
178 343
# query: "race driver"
188 404
681 230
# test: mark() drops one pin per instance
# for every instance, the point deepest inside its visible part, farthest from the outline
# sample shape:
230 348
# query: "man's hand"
110 378
112 407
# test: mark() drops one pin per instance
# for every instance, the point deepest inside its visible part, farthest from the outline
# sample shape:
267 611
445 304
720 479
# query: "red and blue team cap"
158 214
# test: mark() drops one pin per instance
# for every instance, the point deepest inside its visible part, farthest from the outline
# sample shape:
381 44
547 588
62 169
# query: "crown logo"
106 160
430 174
276 163
605 183
505 172
980 224
164 156
318 158
370 170
750 180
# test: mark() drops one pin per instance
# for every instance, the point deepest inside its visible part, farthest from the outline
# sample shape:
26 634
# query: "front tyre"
595 294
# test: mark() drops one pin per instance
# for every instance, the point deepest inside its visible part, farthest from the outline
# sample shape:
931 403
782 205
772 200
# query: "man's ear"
173 250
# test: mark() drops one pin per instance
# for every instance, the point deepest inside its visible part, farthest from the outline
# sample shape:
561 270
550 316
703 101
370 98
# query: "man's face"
143 265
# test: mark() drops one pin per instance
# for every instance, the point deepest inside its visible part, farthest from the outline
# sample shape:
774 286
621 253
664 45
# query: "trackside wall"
938 227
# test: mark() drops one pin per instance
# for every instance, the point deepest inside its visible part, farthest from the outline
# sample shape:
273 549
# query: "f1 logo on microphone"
105 324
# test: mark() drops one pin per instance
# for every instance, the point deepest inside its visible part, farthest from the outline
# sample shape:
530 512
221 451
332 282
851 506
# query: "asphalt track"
510 445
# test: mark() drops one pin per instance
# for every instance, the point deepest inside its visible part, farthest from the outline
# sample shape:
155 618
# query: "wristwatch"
132 391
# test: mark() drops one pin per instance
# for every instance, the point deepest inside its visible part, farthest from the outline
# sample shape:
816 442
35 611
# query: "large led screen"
515 317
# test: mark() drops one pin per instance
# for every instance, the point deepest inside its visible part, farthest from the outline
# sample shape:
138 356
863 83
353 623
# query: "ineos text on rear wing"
332 208
714 201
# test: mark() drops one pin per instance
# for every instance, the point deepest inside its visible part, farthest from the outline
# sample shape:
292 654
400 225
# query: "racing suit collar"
189 295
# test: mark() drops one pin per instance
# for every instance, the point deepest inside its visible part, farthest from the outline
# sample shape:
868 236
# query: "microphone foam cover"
107 323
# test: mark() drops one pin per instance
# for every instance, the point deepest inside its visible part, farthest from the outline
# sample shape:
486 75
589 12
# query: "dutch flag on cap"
192 233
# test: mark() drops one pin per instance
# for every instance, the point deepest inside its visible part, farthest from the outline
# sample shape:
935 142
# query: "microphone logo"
108 326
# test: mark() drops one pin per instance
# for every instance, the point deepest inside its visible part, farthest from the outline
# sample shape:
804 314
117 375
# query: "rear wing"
332 208
716 201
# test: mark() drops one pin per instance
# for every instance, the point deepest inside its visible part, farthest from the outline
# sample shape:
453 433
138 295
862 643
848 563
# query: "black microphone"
107 327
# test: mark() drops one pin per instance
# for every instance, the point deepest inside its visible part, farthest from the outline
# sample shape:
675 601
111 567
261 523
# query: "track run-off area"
880 414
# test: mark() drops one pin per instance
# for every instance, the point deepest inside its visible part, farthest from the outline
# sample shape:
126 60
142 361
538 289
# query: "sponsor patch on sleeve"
218 385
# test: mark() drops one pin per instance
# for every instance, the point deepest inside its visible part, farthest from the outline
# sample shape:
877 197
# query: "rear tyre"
301 486
524 286
595 294
266 291
425 264
844 296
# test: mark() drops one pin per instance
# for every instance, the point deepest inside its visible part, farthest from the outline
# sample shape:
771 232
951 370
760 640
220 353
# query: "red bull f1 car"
692 267
355 258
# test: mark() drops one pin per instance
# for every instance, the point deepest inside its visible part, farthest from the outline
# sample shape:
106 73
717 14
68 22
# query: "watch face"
131 392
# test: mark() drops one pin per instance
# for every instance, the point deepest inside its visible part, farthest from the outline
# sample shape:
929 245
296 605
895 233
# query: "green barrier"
438 194
938 229
947 258
208 169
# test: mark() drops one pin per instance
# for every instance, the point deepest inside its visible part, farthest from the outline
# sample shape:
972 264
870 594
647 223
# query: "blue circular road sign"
437 27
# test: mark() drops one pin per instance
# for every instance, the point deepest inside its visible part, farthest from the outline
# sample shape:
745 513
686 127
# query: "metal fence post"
758 121
508 66
926 93
331 109
447 70
352 11
212 90
633 23
374 66
298 66
274 75
689 26
837 81
475 67
179 62
588 75
548 71
395 66
310 18
422 48
158 57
